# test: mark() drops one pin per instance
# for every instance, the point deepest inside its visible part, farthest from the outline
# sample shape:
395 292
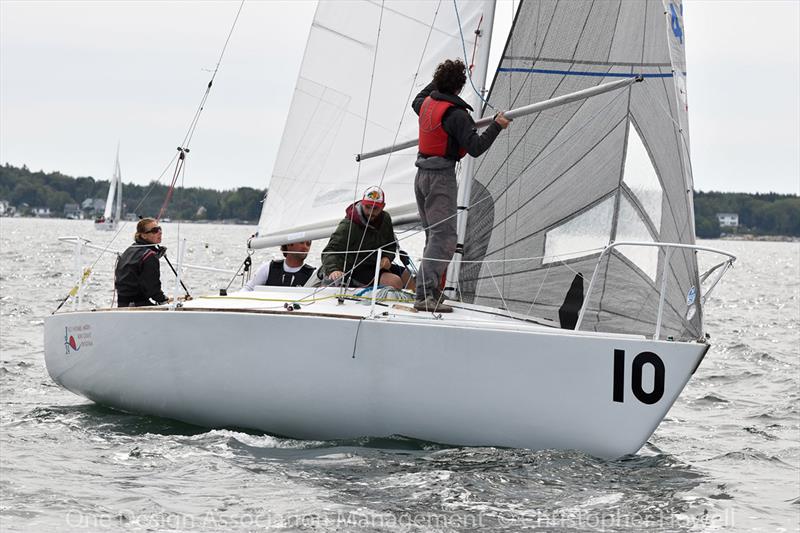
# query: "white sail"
112 192
364 62
113 208
565 182
118 181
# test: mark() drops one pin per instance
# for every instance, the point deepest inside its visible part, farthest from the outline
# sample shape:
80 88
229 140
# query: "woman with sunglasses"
137 276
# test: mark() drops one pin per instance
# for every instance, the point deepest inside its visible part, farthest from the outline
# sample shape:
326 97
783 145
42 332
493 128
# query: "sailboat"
109 220
578 299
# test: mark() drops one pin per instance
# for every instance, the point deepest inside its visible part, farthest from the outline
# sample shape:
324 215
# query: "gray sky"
76 77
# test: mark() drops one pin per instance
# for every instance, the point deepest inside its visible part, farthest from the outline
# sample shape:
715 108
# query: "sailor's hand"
333 276
501 120
385 263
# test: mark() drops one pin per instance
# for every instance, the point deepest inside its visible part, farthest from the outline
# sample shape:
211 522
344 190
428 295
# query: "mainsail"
113 208
564 183
364 62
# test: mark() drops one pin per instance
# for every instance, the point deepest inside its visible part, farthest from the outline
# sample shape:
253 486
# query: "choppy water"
726 458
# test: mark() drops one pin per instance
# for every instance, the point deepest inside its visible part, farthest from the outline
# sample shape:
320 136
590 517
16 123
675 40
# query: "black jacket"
137 277
458 124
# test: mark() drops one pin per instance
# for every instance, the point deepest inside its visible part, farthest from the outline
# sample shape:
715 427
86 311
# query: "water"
727 458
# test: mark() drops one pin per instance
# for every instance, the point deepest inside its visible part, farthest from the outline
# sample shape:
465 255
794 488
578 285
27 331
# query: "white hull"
311 376
105 226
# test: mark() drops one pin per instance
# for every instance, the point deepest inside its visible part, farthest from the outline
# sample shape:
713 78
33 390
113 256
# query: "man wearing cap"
446 134
288 272
351 252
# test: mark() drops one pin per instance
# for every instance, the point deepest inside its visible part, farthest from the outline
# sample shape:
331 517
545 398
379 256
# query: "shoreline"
764 238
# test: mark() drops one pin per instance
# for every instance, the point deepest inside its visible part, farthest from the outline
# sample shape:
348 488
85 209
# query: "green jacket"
381 235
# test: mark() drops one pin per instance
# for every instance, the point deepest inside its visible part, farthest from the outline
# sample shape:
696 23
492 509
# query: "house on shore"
728 220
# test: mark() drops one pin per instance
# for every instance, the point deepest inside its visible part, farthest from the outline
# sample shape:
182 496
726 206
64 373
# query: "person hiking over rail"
446 134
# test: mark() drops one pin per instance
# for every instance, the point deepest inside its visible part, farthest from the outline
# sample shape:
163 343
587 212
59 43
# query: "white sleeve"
260 278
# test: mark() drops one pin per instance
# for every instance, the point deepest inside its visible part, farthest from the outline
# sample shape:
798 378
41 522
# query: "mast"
467 167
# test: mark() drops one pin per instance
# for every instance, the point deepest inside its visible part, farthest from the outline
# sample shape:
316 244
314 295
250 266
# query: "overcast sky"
76 77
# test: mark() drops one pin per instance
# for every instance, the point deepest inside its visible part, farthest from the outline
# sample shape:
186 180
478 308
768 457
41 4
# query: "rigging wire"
410 91
363 140
179 167
183 149
464 48
538 160
399 126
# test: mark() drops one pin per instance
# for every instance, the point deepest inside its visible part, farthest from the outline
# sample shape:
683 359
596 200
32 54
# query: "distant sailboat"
113 211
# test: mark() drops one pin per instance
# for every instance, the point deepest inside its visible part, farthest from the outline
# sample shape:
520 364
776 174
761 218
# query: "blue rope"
367 289
466 61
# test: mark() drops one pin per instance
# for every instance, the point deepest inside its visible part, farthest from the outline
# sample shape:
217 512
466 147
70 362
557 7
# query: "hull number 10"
637 387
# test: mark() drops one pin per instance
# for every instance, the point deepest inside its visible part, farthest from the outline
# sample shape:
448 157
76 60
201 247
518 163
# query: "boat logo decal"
77 337
675 22
691 295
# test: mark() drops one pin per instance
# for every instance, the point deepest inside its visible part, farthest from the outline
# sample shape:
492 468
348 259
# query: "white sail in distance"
113 208
364 62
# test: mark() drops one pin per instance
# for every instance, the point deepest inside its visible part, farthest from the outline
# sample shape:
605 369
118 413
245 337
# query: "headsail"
566 182
364 62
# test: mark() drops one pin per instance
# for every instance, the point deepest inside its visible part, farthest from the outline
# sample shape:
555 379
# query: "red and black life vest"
433 140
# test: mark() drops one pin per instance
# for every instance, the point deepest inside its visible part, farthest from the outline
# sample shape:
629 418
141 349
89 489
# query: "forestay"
364 62
563 183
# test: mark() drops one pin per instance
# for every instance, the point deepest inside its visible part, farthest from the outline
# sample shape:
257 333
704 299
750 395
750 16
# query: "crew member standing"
446 134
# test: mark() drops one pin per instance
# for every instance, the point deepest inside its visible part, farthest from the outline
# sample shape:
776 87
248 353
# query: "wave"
748 454
711 399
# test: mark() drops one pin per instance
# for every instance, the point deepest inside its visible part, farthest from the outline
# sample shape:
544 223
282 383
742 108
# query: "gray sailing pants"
436 192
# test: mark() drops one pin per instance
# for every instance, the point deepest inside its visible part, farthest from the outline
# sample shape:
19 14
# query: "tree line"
19 185
760 214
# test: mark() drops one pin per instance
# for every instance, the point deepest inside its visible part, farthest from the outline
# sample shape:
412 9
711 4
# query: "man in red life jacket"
446 134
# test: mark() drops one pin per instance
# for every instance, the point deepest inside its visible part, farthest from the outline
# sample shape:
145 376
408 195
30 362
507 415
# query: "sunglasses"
154 229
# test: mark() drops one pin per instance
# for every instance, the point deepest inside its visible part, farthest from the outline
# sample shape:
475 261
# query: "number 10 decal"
644 358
